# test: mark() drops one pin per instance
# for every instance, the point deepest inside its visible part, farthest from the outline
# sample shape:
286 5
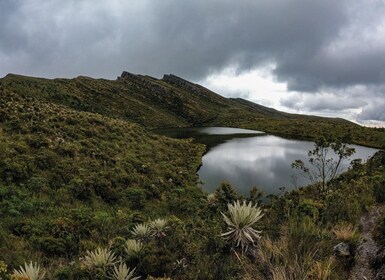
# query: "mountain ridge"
175 102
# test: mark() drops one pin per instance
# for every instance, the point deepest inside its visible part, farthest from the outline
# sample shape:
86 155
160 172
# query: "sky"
321 57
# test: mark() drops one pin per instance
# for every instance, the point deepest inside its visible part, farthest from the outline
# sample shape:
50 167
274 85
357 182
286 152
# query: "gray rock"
342 250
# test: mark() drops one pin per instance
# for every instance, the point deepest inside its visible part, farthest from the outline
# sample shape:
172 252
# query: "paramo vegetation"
87 191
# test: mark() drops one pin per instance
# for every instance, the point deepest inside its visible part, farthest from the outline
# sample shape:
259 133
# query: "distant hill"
176 102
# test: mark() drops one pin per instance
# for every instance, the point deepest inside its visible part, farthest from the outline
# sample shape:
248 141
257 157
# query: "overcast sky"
322 57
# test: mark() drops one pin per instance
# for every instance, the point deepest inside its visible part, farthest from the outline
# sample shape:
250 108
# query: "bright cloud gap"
260 86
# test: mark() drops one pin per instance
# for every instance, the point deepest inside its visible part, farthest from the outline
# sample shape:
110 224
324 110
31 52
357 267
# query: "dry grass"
283 264
345 233
322 270
296 254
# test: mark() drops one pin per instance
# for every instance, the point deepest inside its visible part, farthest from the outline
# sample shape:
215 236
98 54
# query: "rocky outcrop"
140 80
128 75
183 104
181 83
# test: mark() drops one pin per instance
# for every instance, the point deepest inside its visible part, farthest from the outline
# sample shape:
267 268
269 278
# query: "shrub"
136 197
79 190
51 246
379 233
378 188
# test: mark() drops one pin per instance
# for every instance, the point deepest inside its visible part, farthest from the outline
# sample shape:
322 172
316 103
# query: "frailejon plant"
132 247
242 217
122 272
30 271
141 232
158 228
99 258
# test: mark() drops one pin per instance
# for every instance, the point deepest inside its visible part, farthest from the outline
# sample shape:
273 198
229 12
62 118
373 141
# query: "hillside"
175 102
65 175
80 169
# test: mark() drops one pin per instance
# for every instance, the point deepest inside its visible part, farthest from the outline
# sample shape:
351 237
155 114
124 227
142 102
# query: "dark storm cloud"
314 45
55 38
338 71
7 8
190 38
197 37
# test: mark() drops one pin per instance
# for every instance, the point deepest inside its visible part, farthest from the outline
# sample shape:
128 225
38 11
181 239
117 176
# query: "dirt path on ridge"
367 247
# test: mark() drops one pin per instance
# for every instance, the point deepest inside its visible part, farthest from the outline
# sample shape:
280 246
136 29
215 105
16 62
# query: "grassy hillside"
175 102
79 170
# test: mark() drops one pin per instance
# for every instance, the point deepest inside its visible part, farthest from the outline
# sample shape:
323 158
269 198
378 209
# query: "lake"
247 158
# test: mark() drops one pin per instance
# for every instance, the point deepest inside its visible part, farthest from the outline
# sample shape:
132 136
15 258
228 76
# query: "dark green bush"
135 197
380 231
73 272
79 190
52 247
378 183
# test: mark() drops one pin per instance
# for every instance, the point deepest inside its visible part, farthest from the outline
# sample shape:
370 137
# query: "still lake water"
248 158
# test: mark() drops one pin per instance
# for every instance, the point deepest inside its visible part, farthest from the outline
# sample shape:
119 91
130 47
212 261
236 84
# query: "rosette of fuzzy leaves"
242 217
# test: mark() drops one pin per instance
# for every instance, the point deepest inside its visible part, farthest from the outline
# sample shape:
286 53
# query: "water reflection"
224 131
246 160
210 136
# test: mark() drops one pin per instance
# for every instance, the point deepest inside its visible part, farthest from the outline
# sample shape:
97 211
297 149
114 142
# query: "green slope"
58 163
175 102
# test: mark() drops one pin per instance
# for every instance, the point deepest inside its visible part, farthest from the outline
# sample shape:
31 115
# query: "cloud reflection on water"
262 161
248 158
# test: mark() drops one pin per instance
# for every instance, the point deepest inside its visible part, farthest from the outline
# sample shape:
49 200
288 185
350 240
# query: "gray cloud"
190 38
322 102
316 46
373 112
